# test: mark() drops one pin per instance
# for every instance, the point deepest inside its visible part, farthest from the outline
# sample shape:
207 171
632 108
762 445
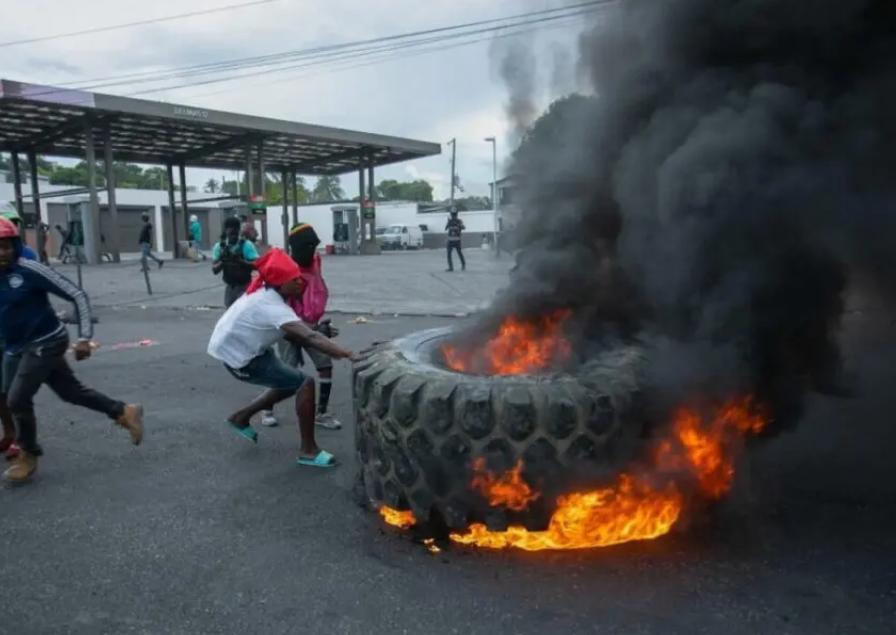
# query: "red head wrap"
275 268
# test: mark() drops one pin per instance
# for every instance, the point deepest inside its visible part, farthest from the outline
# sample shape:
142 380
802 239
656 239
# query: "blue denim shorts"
268 371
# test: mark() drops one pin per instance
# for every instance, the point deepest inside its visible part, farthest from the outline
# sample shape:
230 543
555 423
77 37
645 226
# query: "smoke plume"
516 65
731 176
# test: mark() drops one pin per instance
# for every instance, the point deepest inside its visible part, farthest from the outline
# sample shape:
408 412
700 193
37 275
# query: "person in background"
36 343
145 240
195 238
248 230
454 228
310 307
234 257
8 365
43 235
64 244
243 340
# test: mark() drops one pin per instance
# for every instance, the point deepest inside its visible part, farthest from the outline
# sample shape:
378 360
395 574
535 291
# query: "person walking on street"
36 343
234 257
145 241
43 235
454 228
310 307
243 341
195 238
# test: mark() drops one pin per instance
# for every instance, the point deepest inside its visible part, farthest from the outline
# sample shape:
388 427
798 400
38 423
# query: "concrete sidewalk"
404 283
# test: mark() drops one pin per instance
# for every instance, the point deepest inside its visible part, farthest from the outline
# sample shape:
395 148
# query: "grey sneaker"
269 419
328 421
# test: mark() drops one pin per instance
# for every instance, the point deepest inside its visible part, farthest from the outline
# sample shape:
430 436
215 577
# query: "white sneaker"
328 421
268 419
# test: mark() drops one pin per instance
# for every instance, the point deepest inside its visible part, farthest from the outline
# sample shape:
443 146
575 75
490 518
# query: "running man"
36 343
8 366
243 341
145 240
234 257
310 307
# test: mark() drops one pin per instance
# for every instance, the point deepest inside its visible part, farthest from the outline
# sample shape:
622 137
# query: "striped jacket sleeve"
53 282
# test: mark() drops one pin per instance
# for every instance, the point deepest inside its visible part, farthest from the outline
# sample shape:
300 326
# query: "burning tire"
421 426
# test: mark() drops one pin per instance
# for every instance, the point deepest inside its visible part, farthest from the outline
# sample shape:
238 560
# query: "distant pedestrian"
65 244
234 257
248 230
195 238
145 241
43 235
454 228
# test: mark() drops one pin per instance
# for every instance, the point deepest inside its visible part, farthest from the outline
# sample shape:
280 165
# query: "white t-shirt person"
250 327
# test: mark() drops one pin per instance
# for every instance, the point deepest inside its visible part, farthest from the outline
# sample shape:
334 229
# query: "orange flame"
508 490
396 518
636 507
519 348
641 505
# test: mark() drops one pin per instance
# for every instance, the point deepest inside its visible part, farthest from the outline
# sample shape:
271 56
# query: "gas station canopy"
54 122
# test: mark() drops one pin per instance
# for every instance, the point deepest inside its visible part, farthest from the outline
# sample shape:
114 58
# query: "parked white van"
400 237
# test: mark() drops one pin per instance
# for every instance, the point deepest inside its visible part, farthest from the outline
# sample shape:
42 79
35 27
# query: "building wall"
130 204
388 213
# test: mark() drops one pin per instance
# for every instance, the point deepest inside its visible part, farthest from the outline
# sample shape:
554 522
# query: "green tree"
154 178
212 186
327 189
391 190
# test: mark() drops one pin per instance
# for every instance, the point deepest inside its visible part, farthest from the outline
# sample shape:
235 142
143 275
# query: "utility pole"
453 144
494 142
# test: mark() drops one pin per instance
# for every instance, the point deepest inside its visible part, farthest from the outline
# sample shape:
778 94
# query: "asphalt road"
198 532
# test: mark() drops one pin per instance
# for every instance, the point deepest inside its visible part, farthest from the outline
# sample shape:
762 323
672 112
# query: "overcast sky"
433 96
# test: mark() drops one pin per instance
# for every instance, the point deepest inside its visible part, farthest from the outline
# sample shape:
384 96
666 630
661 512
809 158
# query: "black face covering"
303 242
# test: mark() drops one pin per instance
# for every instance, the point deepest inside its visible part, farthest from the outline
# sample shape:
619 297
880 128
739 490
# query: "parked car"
400 236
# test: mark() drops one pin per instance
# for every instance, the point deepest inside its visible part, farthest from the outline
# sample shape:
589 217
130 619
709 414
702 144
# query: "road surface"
409 283
198 532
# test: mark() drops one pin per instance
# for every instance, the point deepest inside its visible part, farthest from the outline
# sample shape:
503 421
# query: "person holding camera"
234 258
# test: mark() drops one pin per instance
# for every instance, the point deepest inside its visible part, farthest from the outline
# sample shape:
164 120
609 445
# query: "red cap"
8 228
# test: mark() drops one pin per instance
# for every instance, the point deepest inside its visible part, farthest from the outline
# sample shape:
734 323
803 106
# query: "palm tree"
212 186
327 189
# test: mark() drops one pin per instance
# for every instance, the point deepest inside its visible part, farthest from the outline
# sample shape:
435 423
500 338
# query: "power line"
393 54
317 52
362 54
128 25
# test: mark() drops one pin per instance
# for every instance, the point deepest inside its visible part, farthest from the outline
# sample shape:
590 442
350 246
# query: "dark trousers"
233 292
455 246
45 363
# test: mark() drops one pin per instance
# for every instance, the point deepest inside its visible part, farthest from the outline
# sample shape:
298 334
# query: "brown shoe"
132 421
22 469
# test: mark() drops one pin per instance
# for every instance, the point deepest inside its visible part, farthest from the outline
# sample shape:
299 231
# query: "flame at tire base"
698 456
696 459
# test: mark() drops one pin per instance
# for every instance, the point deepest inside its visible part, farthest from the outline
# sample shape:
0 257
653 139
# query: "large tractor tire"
419 426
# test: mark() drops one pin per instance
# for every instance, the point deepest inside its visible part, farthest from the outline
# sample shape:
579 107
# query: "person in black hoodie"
145 241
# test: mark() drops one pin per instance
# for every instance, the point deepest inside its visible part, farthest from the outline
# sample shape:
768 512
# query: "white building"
132 203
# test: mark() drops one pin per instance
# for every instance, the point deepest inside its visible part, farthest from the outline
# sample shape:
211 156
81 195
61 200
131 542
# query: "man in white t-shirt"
243 340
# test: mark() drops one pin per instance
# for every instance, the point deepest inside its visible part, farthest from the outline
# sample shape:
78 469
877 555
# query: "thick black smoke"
733 173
